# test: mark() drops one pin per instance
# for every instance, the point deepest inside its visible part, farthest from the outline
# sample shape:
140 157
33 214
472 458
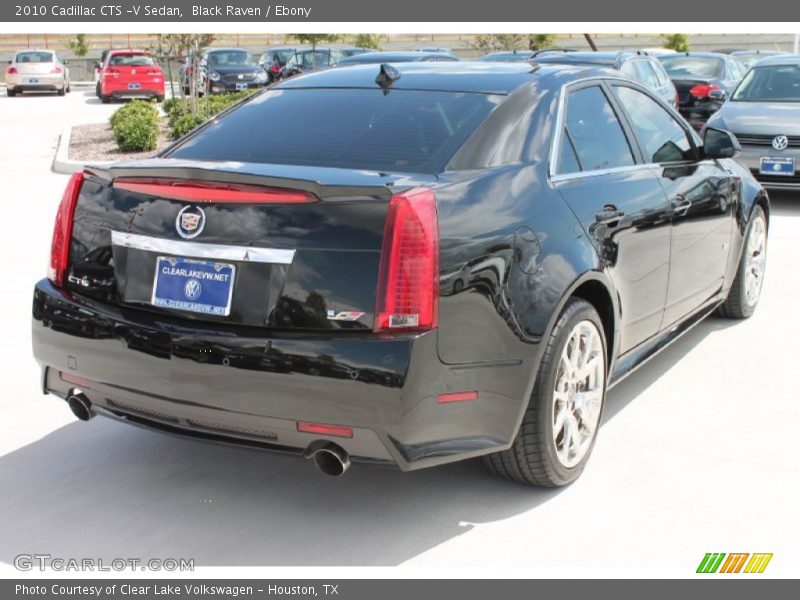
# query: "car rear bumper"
750 157
238 387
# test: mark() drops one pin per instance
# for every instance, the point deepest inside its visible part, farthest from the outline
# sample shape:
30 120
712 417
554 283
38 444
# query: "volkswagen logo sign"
780 142
192 289
190 222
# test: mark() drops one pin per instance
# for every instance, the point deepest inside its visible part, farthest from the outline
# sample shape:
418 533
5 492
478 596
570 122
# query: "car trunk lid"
253 245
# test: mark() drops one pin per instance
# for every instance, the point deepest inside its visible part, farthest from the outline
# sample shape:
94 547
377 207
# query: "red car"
131 74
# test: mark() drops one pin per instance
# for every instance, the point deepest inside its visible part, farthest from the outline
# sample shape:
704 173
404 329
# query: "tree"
537 41
676 41
188 48
79 45
367 40
498 41
313 39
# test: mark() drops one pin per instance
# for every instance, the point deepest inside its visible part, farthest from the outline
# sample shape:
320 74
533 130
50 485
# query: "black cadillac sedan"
447 261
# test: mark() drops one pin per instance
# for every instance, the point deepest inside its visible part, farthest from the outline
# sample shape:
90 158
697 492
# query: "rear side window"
661 74
34 57
645 74
689 67
595 131
404 130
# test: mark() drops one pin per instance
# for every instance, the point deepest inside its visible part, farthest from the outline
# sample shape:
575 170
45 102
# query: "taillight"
62 231
408 283
11 71
212 191
57 71
111 72
702 90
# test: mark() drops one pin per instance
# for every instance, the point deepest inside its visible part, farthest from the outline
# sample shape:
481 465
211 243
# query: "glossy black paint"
653 247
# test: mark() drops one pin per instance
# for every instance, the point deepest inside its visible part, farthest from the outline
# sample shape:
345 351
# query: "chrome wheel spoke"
578 393
755 261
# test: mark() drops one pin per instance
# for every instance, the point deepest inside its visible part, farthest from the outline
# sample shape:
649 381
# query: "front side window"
595 132
663 138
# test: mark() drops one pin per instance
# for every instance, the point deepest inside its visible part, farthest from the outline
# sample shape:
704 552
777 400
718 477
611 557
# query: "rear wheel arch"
597 290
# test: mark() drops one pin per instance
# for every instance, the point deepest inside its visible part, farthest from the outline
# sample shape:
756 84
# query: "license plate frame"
134 86
211 292
33 80
241 86
781 166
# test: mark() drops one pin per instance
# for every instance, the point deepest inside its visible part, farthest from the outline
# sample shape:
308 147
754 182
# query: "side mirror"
11 61
718 143
97 65
64 62
718 95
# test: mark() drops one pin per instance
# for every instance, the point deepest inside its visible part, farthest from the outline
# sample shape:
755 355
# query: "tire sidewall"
574 312
748 310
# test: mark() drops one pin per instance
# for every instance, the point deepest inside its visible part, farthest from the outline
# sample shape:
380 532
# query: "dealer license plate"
777 166
201 286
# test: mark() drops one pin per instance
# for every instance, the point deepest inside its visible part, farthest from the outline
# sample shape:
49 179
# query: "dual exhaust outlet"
328 457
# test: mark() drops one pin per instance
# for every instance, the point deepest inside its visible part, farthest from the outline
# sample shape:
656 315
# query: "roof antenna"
387 76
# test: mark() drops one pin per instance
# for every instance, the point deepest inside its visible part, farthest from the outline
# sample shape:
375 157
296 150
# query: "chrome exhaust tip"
80 406
328 457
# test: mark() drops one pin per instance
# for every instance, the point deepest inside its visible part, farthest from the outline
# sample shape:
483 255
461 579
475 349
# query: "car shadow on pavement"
107 490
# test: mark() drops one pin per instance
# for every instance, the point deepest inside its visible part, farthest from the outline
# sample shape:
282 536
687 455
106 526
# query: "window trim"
560 125
606 82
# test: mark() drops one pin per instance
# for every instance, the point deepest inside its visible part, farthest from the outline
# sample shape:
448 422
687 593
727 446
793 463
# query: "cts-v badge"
190 222
780 142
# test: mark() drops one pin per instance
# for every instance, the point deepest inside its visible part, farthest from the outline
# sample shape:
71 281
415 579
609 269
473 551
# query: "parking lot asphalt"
699 451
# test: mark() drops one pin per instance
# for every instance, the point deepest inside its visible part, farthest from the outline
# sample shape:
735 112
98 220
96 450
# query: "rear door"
619 202
700 197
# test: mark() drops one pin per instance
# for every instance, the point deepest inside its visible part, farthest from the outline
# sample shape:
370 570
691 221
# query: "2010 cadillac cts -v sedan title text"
416 264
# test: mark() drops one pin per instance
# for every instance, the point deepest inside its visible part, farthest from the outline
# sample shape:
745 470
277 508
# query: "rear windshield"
404 130
692 67
777 83
225 58
35 57
131 60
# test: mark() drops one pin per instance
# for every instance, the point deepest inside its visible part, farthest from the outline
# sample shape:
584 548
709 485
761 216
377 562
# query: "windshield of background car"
34 57
404 130
131 60
774 83
229 58
692 67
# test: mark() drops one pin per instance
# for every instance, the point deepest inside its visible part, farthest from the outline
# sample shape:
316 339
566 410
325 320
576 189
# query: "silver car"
37 71
764 114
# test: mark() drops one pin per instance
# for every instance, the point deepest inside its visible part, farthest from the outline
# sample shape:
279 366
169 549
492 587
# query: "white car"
36 71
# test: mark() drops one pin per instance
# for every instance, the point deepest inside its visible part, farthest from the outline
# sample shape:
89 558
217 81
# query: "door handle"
608 214
680 205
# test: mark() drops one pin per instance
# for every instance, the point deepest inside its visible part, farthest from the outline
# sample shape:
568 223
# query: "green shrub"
135 127
181 119
183 123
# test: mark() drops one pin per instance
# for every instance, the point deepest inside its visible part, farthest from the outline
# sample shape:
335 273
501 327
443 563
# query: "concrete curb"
62 162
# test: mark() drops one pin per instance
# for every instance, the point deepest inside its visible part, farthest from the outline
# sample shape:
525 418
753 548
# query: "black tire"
736 305
97 90
62 91
532 458
11 93
160 99
105 99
